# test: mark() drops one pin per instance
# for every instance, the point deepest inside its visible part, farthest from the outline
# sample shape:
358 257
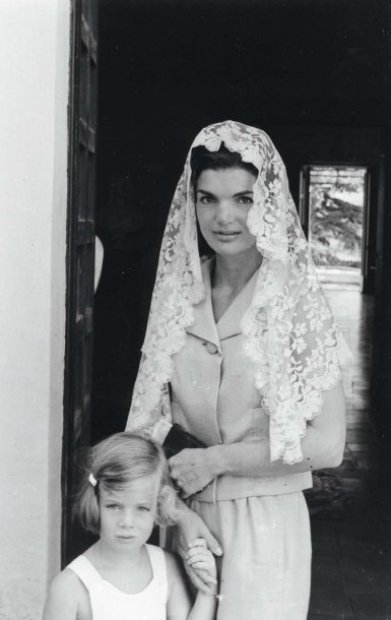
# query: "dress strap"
86 572
159 568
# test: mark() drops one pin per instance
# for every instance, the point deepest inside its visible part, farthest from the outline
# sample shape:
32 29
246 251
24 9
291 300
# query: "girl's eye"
144 508
112 506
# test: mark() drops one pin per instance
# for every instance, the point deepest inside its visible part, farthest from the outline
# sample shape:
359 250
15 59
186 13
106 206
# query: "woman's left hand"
192 469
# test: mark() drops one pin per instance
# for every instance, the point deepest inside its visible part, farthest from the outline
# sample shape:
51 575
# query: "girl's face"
127 517
223 200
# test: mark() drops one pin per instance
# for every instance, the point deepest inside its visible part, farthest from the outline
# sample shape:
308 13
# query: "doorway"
335 214
151 102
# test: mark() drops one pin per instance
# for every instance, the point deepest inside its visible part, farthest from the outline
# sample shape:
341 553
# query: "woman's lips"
226 235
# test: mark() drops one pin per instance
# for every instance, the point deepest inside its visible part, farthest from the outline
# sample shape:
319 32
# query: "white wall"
34 53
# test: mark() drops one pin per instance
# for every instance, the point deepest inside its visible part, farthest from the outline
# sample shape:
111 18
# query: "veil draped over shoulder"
289 332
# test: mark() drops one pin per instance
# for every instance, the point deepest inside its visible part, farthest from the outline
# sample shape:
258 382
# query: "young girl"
121 576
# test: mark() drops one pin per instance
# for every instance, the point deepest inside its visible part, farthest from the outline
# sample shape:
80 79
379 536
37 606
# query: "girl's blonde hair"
114 463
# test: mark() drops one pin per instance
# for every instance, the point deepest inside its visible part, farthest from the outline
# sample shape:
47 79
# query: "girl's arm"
67 599
191 528
179 605
322 446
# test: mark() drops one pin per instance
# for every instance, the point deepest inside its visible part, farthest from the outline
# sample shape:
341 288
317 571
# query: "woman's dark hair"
201 159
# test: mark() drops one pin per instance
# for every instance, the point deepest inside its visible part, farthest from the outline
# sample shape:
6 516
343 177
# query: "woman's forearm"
192 526
253 458
322 447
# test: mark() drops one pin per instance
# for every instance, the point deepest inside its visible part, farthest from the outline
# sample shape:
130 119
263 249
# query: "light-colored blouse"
214 396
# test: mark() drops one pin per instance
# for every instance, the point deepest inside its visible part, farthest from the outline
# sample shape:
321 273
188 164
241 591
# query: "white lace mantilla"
290 335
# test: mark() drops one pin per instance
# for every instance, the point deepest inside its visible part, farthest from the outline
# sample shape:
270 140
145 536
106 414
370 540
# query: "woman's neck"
234 272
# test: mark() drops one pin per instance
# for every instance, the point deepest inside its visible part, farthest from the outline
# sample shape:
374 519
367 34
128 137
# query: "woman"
248 345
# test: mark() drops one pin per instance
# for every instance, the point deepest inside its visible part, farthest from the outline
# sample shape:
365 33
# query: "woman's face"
223 200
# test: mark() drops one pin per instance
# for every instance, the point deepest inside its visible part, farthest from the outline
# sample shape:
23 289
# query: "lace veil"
289 332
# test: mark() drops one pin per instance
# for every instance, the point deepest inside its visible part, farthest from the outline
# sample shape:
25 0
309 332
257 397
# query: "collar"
205 326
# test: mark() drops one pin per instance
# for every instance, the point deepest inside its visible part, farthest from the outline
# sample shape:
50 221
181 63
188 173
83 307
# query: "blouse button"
211 348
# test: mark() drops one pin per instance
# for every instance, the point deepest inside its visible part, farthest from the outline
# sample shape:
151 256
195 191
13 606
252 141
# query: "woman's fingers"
190 470
212 542
201 560
207 539
198 542
182 476
189 489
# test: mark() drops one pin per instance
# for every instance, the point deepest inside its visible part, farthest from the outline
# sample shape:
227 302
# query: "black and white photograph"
195 336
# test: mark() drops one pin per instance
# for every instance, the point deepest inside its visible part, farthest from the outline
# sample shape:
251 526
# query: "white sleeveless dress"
110 603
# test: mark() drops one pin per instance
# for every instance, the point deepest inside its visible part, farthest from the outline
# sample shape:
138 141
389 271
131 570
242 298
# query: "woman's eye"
245 200
205 200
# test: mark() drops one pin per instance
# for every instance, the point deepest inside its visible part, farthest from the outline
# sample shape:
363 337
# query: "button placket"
214 350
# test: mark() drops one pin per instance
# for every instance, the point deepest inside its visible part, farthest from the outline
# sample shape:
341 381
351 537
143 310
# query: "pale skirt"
265 572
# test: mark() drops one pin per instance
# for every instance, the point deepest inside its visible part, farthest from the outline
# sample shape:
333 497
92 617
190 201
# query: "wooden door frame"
80 235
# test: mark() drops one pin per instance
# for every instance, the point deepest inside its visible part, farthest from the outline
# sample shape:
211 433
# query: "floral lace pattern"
290 335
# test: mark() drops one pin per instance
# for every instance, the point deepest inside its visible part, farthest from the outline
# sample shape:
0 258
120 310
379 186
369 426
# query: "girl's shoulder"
68 581
170 559
67 598
157 549
174 567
